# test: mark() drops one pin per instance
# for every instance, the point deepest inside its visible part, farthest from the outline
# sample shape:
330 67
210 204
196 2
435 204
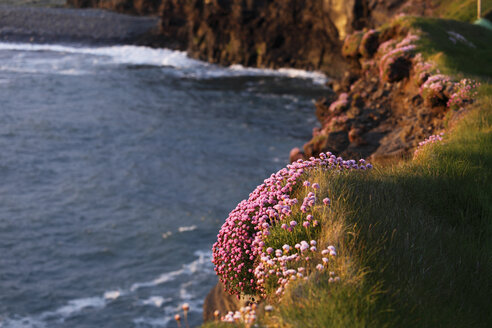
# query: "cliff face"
305 34
276 33
288 33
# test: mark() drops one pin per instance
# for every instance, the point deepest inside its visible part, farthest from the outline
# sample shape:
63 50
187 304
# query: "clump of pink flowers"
432 90
241 252
464 93
439 89
391 51
430 140
340 104
293 264
246 315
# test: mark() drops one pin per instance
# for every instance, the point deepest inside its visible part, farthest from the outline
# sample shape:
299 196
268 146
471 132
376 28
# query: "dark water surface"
118 166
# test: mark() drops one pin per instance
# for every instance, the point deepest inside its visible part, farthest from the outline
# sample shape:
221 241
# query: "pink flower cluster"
422 69
439 89
368 34
291 264
245 315
435 82
430 140
389 54
464 93
432 90
340 104
241 245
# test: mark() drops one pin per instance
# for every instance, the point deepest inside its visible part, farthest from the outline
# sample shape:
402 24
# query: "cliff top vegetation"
402 245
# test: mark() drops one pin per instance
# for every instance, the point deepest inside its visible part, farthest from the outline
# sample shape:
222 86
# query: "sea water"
118 165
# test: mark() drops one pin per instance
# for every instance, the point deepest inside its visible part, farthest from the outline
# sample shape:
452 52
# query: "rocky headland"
380 110
379 105
300 34
377 115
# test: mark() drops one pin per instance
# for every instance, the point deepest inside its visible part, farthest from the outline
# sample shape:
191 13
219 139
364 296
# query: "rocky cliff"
377 108
272 34
305 34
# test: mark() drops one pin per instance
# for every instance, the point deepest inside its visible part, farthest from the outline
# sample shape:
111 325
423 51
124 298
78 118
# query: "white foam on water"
80 304
156 301
166 234
112 295
165 277
189 228
315 76
135 55
139 55
201 265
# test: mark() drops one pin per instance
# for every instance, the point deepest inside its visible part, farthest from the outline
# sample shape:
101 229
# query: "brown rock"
351 45
396 69
355 136
295 154
369 44
323 109
218 299
335 142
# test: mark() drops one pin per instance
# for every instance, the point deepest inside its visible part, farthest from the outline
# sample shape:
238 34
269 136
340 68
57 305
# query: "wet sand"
45 24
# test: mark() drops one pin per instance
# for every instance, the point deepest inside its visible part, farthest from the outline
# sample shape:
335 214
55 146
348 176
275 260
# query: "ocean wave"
202 264
78 305
139 55
163 278
199 267
188 228
112 294
156 301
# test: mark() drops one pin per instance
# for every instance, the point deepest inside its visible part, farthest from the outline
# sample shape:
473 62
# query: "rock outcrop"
287 33
386 104
303 34
219 300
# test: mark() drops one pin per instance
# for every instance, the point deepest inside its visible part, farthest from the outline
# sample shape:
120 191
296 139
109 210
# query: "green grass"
416 247
463 10
456 59
414 239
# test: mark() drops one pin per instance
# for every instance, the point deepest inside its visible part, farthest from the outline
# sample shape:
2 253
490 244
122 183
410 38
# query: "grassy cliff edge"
413 239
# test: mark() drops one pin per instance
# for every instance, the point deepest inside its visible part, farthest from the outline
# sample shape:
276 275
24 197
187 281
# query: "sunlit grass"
414 239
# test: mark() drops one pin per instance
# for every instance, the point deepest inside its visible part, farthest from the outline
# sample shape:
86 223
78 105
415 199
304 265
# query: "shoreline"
67 25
